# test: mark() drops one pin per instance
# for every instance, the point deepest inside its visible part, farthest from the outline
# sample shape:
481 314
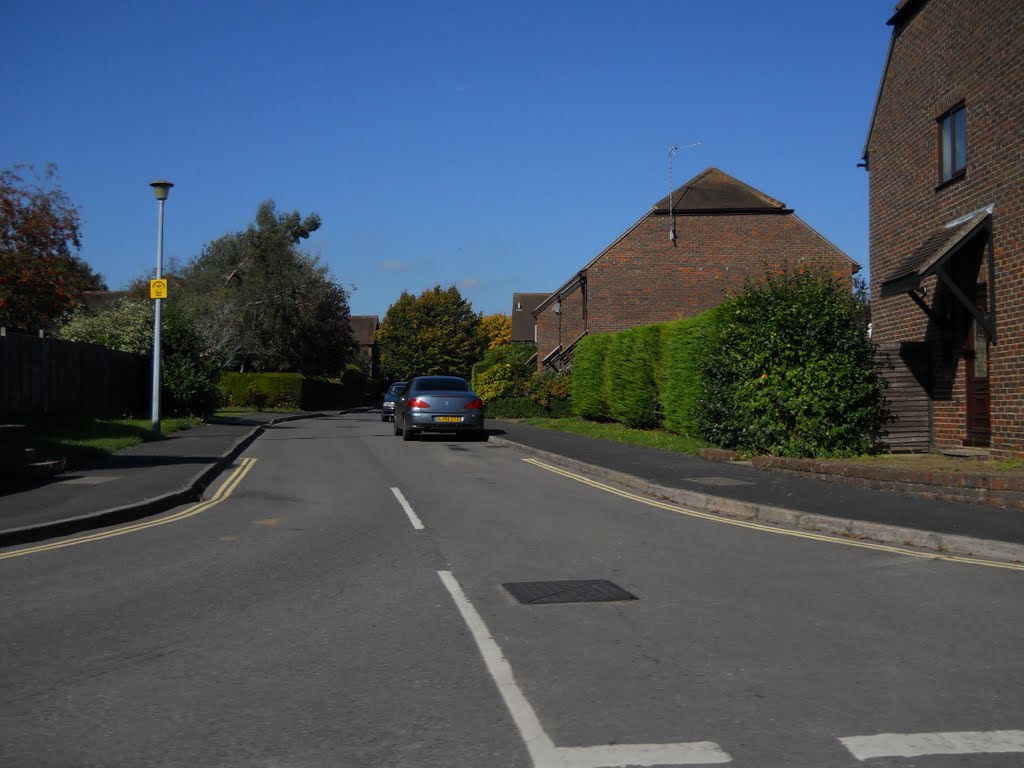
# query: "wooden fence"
50 377
905 367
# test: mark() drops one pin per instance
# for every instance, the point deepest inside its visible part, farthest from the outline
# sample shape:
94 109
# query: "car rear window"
397 389
440 385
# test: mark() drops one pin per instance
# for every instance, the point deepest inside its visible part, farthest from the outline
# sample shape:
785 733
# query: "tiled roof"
935 248
713 190
523 305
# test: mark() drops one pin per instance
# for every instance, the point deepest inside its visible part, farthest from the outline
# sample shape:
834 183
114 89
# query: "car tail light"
475 404
418 403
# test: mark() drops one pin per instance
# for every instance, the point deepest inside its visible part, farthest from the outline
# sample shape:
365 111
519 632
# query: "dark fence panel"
50 377
905 367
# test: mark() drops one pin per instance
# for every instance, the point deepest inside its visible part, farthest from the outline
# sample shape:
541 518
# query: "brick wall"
643 278
953 51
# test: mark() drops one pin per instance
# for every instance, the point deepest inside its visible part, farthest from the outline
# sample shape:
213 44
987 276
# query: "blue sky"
495 146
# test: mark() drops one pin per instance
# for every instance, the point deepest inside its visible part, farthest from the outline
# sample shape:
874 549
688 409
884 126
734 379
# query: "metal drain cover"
578 591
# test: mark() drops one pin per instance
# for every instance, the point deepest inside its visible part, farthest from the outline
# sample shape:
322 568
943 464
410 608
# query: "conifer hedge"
589 400
680 383
632 364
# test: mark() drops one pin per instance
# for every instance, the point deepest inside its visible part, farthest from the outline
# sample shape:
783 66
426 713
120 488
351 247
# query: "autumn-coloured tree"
436 332
41 275
498 328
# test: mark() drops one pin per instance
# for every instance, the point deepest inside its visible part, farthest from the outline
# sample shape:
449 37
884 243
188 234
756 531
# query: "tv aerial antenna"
672 150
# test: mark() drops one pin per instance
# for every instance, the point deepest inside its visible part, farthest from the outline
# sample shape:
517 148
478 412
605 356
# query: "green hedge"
513 408
680 390
589 399
632 366
292 390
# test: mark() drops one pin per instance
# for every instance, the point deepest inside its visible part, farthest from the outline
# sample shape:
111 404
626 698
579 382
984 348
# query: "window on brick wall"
953 143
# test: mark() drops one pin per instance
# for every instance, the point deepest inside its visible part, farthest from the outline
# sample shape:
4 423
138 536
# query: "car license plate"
449 419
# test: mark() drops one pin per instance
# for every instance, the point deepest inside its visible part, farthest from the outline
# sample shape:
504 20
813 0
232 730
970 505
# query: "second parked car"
439 404
387 408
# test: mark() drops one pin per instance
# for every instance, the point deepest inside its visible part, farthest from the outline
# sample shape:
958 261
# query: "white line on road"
408 510
543 751
917 744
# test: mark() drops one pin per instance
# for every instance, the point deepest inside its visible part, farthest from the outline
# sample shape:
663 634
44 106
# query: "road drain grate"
579 591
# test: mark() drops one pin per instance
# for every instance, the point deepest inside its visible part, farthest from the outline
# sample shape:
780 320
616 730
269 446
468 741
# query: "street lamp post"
160 188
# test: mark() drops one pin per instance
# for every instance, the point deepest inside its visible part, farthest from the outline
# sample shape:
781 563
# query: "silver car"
439 404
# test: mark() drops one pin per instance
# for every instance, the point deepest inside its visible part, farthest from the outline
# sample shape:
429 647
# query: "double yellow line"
769 528
225 490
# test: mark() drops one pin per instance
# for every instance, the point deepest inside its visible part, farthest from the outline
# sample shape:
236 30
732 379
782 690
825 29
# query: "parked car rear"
439 404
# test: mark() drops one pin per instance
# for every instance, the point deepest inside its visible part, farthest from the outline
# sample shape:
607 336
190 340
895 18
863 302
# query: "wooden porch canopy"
932 257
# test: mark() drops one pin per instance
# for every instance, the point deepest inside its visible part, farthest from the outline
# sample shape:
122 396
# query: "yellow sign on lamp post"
158 289
160 188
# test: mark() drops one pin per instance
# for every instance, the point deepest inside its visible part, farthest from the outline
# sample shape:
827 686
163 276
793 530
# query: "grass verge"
84 442
652 438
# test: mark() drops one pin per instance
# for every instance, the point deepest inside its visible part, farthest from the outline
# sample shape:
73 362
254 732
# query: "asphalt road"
339 602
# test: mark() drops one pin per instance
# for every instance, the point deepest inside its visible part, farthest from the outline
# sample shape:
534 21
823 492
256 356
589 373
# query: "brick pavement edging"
1006 492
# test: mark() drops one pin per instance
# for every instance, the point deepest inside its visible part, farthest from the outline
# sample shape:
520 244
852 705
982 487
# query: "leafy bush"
631 367
589 398
511 379
190 379
280 390
293 390
560 409
789 370
255 398
189 376
513 408
496 382
126 324
550 387
682 350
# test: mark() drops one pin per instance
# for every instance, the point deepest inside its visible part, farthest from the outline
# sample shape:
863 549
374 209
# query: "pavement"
154 477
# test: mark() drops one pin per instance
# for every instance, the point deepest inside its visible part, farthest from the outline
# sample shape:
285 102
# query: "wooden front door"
976 348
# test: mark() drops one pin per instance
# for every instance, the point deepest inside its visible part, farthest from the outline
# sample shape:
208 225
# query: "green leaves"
126 324
435 333
789 369
188 375
263 305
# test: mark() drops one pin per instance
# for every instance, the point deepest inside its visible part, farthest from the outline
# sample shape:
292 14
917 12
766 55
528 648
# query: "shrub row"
293 390
646 377
525 408
783 368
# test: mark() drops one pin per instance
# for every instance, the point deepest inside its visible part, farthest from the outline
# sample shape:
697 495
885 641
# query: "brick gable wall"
644 278
953 51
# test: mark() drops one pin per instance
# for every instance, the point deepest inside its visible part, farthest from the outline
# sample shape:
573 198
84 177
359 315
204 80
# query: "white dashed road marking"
543 751
408 510
917 744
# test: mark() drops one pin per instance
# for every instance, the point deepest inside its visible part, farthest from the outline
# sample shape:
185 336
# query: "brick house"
946 179
679 259
364 331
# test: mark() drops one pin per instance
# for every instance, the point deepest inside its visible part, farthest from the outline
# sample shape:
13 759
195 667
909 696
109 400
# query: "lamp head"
161 188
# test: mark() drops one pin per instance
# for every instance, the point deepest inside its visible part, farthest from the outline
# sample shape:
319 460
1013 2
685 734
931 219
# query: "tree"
498 328
436 332
188 376
261 304
127 325
41 275
788 369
